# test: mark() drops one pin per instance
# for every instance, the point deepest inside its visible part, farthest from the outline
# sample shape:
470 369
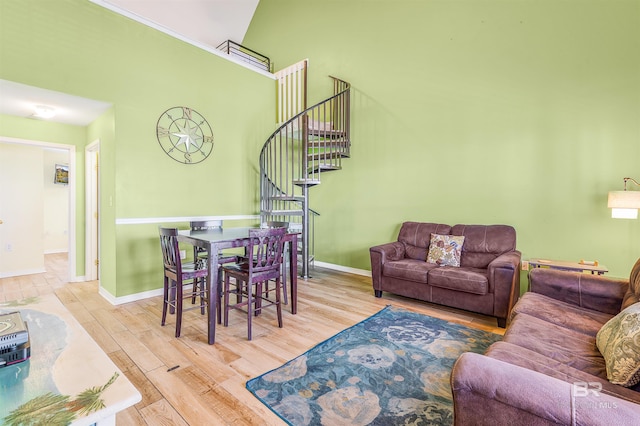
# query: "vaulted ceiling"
206 23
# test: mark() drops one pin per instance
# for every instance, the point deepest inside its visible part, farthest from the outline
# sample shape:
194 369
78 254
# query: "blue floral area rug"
391 369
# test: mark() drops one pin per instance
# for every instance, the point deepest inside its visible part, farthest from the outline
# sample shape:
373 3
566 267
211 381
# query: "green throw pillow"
619 343
445 250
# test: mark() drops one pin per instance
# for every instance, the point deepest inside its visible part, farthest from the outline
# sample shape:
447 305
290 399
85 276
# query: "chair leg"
226 300
219 296
250 309
178 299
278 303
172 297
203 298
194 291
258 297
165 299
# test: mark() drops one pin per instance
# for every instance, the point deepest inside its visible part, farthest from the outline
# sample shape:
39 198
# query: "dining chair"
177 276
200 254
263 263
283 267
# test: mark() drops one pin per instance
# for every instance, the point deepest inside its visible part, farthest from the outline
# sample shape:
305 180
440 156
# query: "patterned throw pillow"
445 250
619 343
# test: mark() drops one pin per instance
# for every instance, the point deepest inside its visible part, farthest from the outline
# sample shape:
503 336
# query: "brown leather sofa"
487 280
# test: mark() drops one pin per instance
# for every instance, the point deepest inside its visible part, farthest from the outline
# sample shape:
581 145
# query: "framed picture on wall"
62 174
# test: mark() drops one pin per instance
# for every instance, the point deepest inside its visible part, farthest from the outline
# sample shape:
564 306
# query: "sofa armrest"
487 391
389 251
381 254
504 279
596 292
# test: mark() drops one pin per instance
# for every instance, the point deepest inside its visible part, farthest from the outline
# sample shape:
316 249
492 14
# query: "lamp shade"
624 200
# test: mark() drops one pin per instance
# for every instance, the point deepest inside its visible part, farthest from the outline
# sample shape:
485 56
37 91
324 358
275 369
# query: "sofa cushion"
445 250
408 269
416 237
517 355
619 343
483 243
468 280
566 346
563 314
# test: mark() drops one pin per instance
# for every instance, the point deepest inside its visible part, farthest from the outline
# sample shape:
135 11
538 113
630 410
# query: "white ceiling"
205 23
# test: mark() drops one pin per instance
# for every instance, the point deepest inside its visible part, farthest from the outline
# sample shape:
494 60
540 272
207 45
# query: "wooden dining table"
215 240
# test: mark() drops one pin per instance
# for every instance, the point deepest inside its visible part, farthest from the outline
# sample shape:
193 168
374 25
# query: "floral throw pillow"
445 250
619 343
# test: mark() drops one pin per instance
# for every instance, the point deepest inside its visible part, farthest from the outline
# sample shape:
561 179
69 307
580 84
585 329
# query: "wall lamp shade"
624 204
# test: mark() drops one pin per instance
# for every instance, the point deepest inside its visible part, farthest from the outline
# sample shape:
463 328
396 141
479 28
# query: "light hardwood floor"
208 387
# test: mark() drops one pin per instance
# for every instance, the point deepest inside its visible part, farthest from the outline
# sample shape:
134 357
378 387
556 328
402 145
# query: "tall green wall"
473 111
79 48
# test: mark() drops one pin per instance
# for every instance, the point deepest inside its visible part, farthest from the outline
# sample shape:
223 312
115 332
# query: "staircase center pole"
305 232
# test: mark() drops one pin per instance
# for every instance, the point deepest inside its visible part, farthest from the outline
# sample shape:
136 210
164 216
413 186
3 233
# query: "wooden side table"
568 266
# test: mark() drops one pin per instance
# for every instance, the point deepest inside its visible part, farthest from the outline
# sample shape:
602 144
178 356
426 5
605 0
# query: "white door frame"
92 211
71 149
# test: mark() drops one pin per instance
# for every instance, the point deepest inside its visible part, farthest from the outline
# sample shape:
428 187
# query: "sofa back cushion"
483 243
633 294
416 237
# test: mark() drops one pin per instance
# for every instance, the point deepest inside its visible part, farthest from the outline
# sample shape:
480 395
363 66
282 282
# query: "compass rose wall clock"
185 135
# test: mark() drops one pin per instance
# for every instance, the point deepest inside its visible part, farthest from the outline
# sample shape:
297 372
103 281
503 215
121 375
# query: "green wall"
479 111
77 47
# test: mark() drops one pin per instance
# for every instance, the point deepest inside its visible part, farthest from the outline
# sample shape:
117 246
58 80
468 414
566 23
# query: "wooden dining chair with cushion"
263 263
177 276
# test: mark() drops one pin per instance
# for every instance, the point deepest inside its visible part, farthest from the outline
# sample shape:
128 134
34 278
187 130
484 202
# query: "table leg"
212 293
293 269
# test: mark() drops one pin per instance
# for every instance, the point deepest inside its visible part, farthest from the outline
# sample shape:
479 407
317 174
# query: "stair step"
320 143
306 182
299 198
328 134
323 168
325 156
282 212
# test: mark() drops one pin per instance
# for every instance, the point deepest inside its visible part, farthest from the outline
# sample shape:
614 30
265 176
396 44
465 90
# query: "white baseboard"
23 272
341 268
129 298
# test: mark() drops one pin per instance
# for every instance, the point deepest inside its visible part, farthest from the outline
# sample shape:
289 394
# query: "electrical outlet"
9 248
525 265
183 254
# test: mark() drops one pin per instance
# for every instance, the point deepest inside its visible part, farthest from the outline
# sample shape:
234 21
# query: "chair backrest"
205 225
265 249
170 249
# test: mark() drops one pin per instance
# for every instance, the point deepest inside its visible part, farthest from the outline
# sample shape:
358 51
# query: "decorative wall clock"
184 135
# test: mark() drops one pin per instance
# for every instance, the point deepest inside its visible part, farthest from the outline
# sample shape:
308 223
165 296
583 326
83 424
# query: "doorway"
12 241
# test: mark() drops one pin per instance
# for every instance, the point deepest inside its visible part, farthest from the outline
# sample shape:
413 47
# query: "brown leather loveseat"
487 280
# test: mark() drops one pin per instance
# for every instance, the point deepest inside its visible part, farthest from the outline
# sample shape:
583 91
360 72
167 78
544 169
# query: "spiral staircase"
308 142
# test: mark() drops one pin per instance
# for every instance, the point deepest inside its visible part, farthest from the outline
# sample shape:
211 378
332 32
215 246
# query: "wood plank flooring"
208 385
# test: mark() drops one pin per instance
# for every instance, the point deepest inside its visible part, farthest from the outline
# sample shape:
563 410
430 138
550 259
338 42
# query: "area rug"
392 368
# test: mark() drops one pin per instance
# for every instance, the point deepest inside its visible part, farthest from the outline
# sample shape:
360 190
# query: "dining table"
214 240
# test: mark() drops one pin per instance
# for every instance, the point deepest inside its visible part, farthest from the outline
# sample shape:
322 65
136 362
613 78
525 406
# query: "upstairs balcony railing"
245 54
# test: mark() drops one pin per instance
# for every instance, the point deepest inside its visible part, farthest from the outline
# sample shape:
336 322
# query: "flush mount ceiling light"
625 204
43 111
